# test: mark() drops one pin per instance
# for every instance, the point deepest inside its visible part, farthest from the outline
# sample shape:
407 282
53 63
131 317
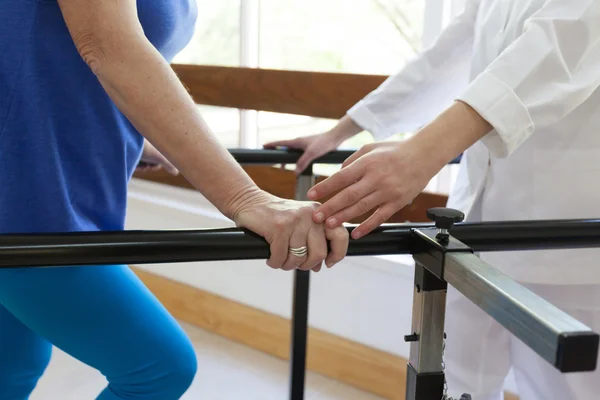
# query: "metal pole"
425 377
300 307
558 338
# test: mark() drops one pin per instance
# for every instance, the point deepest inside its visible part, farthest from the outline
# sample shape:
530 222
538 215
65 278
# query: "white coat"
532 69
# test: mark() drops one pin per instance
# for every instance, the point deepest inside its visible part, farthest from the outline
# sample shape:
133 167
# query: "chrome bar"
557 337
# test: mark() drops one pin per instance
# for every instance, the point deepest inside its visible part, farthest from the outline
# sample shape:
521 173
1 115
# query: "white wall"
364 299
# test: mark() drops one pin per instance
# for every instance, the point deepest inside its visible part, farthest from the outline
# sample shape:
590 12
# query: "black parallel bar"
290 156
284 156
147 247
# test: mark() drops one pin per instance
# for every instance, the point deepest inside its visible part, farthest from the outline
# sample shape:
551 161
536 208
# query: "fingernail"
312 195
356 235
329 264
332 222
320 217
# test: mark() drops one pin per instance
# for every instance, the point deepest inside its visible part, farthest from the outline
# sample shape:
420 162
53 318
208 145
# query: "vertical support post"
300 307
425 379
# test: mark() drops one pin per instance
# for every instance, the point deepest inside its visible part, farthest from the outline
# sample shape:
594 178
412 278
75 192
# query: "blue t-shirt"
66 152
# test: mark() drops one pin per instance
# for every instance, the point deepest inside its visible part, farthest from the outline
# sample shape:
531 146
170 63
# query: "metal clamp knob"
444 219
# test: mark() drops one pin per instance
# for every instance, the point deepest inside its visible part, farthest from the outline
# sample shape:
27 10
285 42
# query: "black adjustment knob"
413 337
444 219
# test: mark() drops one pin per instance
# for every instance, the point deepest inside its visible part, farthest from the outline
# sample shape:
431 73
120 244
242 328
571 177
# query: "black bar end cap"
577 352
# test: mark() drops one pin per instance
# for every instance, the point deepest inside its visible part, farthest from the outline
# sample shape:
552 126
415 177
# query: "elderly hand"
383 176
288 225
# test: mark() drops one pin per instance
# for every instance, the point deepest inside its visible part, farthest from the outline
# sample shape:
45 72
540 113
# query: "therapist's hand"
388 176
314 146
384 177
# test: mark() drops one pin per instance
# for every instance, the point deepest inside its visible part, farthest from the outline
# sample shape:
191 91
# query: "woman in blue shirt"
82 83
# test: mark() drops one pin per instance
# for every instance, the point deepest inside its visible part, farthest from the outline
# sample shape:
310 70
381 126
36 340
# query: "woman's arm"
143 86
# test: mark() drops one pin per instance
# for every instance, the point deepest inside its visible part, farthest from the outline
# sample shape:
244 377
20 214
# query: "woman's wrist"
244 199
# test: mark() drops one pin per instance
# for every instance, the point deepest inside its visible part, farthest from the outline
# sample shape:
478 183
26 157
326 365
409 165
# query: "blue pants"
103 316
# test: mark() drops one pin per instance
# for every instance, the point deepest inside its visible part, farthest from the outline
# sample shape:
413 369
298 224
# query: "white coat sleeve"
425 87
549 70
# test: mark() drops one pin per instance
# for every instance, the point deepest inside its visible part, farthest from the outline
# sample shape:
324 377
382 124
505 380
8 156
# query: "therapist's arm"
386 176
548 71
425 86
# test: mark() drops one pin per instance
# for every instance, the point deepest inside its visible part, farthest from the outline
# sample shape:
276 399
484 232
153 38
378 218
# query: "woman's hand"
153 160
288 224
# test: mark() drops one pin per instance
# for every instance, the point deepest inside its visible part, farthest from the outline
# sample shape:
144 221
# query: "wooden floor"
220 363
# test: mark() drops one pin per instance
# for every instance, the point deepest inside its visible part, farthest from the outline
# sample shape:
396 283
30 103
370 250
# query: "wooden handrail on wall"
315 94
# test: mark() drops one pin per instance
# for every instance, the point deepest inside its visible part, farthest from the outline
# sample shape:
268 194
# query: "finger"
304 161
280 143
379 217
317 248
344 199
317 267
361 207
337 181
355 156
279 249
297 240
170 168
338 241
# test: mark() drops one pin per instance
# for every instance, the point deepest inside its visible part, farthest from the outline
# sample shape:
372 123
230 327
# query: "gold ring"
299 251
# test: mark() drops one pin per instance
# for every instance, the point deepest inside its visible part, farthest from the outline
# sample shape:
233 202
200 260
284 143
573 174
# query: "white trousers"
480 353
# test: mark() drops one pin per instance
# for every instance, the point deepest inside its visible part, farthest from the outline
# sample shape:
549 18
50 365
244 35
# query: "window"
216 41
362 36
369 37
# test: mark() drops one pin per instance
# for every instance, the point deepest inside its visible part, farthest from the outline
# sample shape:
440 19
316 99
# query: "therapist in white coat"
515 84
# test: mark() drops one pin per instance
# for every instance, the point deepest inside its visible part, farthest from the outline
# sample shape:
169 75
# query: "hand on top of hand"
383 176
287 225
